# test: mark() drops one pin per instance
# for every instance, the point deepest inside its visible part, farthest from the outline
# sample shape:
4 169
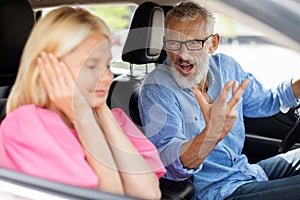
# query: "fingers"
58 83
200 98
66 75
54 74
45 71
47 67
224 94
235 86
237 92
56 78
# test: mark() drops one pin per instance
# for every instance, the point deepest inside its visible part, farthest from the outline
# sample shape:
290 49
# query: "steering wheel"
294 134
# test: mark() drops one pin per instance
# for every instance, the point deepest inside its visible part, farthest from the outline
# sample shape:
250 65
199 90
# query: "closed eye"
91 66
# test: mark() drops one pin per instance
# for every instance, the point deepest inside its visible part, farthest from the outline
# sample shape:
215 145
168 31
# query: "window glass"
270 63
118 18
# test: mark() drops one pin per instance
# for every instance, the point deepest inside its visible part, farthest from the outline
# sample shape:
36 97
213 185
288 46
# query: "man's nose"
183 51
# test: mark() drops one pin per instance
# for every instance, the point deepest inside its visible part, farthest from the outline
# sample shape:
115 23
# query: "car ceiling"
37 4
280 20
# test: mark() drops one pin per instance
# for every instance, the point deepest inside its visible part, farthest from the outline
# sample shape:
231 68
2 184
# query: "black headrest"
145 37
16 22
2 109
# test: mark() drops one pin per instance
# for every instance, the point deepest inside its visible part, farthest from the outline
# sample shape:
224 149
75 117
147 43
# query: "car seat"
16 22
144 45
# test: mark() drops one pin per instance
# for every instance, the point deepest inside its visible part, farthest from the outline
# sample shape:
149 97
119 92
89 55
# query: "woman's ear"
215 41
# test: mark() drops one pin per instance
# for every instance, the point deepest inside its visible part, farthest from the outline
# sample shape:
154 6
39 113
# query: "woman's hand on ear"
60 85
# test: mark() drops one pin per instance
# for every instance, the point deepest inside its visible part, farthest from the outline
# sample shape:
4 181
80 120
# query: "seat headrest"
145 37
16 22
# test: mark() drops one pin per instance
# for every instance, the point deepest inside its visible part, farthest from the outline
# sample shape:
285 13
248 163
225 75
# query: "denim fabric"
171 116
284 180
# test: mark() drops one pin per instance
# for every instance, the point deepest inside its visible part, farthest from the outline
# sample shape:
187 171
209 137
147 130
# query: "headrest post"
146 67
131 70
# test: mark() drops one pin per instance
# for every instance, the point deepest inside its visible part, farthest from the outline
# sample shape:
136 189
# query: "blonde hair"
190 11
59 32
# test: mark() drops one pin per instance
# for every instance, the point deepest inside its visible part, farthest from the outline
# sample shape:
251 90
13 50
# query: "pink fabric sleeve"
140 141
36 141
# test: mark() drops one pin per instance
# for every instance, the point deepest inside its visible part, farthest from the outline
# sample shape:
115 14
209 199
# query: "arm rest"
176 190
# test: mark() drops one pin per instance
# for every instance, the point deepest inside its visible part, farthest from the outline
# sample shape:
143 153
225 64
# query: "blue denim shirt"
171 116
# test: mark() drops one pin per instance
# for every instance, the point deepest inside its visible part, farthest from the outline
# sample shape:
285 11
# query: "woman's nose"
108 75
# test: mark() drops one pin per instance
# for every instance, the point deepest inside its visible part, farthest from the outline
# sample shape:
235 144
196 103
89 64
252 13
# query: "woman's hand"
60 85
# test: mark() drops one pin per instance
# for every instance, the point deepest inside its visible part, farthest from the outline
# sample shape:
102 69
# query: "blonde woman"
58 125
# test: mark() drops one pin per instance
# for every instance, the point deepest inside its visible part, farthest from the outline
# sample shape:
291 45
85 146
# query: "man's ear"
215 41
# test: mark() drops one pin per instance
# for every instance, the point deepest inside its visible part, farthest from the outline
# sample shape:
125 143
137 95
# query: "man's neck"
203 88
203 85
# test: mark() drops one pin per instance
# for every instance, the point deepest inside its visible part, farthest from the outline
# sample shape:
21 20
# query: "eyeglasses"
175 45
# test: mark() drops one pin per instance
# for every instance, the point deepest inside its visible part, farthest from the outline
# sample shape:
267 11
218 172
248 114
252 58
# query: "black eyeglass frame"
185 43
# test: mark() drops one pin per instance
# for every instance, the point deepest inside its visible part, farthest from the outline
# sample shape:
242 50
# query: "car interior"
49 189
265 137
144 46
13 34
145 53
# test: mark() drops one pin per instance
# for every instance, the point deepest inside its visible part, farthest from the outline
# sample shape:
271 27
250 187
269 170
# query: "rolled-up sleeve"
162 120
286 96
176 171
259 101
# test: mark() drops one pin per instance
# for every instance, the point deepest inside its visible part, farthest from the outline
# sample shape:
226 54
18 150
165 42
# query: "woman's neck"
62 116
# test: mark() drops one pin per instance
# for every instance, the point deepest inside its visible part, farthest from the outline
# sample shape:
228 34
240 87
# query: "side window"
118 18
270 63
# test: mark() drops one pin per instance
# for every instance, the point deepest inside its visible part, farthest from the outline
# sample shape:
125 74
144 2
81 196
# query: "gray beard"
189 82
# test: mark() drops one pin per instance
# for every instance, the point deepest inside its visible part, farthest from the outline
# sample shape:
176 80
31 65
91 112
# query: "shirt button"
196 119
244 171
234 159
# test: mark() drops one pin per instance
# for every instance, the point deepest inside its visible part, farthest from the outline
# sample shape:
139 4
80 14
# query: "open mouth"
185 68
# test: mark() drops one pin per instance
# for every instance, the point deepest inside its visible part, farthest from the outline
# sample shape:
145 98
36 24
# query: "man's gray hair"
189 10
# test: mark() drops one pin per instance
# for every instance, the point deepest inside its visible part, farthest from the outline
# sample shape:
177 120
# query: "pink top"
36 141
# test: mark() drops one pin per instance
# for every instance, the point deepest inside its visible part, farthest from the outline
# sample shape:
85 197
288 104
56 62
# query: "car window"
118 17
270 63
